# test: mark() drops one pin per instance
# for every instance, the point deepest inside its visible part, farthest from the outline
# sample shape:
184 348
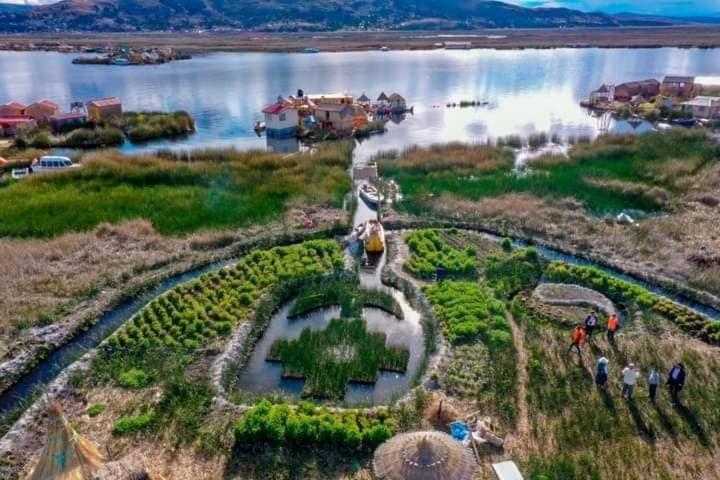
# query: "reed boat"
370 194
374 237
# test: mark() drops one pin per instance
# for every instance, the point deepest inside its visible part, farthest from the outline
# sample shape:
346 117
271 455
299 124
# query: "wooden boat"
374 237
370 194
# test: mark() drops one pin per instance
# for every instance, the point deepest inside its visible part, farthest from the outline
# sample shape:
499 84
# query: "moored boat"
374 237
370 194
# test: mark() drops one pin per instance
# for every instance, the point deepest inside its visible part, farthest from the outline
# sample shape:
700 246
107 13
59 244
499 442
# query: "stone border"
581 297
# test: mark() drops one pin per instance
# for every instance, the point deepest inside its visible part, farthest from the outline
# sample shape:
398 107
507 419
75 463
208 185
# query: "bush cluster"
134 424
193 313
623 292
510 274
469 310
308 426
144 126
430 251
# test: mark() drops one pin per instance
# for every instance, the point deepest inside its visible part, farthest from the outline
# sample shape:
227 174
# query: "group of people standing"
583 333
631 373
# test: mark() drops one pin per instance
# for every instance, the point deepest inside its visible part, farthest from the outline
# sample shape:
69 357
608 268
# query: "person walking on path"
578 338
630 376
653 382
590 323
601 372
612 327
676 381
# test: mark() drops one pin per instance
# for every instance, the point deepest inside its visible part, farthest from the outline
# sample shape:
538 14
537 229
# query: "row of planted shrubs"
623 292
468 310
193 313
430 251
308 426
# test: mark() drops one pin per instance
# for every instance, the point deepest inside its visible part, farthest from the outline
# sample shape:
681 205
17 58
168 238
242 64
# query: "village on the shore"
677 100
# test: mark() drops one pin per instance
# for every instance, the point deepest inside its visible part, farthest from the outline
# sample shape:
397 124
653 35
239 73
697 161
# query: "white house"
280 121
703 107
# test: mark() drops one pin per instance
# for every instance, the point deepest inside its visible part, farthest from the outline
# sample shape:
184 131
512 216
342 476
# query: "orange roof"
15 119
15 105
49 104
105 102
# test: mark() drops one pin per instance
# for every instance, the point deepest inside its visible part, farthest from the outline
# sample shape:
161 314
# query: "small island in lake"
134 56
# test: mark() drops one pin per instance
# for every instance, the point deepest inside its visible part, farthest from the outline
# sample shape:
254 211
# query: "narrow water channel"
47 370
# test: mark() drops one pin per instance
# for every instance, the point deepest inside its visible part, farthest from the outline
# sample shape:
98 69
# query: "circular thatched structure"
423 456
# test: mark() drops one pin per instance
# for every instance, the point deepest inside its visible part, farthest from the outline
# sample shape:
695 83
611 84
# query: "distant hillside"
294 15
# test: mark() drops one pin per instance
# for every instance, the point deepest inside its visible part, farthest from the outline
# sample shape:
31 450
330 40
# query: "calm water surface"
529 90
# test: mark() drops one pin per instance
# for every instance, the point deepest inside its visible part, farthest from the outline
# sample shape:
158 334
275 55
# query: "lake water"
529 90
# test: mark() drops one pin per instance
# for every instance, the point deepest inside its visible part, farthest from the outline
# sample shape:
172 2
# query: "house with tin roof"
703 107
675 86
103 108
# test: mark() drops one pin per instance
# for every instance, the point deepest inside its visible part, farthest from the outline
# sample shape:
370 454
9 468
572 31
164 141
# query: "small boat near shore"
370 194
373 237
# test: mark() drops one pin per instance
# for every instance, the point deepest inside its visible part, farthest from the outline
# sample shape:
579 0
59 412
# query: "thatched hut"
67 455
423 456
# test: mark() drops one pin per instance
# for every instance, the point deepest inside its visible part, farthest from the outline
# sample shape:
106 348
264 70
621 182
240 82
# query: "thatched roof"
66 455
363 99
383 97
423 456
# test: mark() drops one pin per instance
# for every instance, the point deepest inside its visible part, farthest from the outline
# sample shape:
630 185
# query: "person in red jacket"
578 339
612 327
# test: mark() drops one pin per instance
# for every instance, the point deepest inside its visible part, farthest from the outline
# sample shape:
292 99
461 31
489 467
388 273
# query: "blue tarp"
459 431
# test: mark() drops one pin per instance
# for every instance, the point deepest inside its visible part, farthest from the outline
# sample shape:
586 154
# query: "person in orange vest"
578 338
612 327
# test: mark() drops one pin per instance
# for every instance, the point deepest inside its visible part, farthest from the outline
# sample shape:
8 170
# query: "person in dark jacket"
676 381
590 323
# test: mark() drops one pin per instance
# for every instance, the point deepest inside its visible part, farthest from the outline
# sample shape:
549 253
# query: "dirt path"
518 442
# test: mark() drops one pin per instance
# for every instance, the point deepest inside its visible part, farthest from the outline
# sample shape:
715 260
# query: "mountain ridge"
291 15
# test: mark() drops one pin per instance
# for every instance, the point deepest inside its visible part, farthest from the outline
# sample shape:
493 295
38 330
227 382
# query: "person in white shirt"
630 375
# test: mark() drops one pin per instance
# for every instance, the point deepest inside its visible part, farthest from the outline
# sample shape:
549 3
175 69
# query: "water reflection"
531 90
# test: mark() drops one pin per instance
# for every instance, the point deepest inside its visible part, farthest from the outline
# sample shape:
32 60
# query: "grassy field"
581 432
612 174
211 189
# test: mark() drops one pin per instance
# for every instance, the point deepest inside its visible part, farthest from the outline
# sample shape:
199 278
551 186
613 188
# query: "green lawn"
218 189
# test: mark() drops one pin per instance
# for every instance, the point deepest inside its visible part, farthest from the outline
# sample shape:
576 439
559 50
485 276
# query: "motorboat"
373 237
370 194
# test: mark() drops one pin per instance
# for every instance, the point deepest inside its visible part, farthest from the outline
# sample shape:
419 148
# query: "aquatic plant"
178 193
344 351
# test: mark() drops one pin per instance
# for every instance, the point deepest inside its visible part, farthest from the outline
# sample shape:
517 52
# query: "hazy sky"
659 7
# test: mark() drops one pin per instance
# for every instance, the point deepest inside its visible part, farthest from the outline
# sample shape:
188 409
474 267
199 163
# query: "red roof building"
12 125
12 108
42 111
274 109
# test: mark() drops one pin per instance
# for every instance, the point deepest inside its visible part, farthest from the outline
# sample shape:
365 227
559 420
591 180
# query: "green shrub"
307 426
430 251
133 379
95 409
467 310
506 244
130 425
510 274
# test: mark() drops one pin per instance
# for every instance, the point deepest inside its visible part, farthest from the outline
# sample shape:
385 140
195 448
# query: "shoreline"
701 36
